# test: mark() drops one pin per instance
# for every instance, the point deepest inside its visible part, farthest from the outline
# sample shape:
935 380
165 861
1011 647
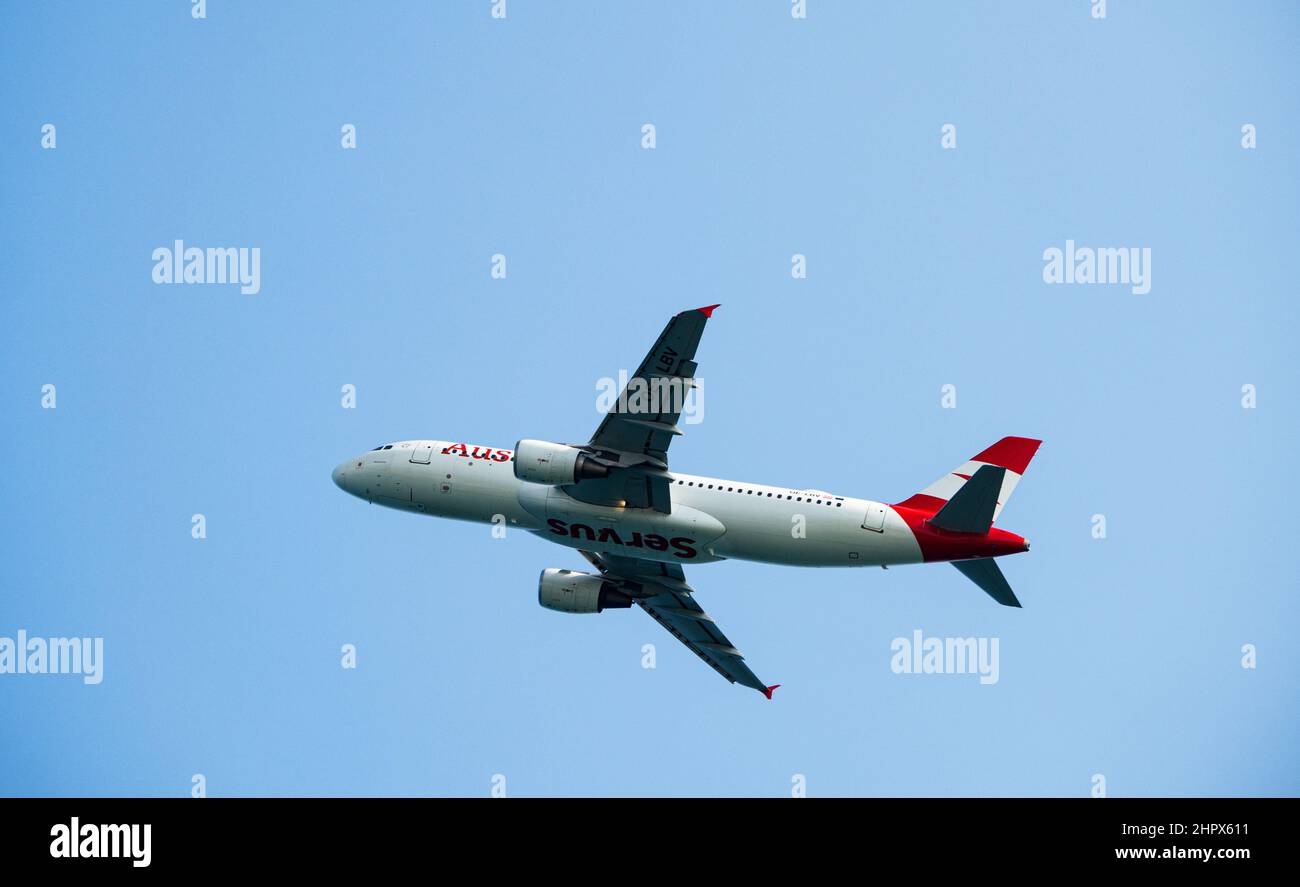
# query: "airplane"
639 523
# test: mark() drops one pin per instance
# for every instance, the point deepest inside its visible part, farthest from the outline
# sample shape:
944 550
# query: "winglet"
767 691
707 310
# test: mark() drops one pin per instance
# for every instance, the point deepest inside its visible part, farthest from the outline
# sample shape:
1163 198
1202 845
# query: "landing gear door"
875 519
422 454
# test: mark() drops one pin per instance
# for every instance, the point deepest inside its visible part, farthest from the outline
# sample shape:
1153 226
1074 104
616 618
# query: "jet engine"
542 462
569 591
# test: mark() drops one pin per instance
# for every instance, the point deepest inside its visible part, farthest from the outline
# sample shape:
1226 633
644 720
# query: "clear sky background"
775 136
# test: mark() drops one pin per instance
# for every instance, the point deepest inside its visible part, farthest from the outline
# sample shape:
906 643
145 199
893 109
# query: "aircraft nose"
339 476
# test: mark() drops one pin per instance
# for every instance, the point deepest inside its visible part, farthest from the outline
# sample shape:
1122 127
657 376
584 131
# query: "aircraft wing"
664 594
634 436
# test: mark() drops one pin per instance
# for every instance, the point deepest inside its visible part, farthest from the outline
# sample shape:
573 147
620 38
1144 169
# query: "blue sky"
522 136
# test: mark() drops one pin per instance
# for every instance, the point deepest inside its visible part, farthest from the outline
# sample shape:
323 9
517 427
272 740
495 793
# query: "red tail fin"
1011 453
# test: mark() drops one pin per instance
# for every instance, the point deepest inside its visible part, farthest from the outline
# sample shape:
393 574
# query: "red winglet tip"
707 310
768 691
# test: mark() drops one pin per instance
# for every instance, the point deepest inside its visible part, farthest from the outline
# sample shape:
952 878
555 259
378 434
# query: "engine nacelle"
543 462
569 591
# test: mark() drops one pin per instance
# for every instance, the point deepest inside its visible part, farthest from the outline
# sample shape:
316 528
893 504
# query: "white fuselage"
712 519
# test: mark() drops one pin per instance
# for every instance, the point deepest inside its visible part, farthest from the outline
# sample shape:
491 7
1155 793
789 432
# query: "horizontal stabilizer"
984 572
970 510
